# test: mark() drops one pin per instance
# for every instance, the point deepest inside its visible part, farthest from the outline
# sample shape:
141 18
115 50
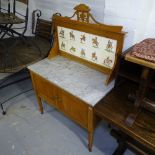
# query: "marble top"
75 78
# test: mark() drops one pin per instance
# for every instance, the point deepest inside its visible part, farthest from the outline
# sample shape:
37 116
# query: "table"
114 109
141 100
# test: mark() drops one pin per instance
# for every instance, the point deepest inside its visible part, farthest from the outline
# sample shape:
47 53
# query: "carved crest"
83 14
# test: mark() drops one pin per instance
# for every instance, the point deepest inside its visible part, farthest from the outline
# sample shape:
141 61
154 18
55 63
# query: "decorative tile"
94 48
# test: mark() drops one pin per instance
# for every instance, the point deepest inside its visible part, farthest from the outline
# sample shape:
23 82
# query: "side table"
114 108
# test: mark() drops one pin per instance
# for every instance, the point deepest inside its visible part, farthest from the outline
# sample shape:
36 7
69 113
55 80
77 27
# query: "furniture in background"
80 67
23 54
114 108
14 18
142 54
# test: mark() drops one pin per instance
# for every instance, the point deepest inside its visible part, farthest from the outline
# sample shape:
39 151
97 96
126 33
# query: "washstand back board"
87 41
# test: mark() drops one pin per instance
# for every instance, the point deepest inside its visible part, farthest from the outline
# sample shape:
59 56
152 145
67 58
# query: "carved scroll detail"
82 12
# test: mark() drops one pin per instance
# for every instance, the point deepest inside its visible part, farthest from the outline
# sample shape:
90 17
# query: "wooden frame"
72 106
82 24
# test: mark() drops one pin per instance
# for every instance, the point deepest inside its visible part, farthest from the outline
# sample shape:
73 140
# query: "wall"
135 16
150 24
49 7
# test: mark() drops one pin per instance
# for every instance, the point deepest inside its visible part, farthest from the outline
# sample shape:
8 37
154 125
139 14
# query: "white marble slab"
81 81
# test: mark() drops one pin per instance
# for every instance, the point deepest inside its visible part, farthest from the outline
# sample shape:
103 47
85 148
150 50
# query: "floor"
24 131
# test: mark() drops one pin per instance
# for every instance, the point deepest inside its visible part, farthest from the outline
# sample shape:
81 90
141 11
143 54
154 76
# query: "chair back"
5 6
17 10
21 9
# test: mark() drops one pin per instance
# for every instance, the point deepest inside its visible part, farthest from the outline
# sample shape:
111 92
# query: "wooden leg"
121 139
38 98
90 141
90 128
143 87
120 149
40 105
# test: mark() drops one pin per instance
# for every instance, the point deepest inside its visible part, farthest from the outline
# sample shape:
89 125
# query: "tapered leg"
40 105
90 128
90 140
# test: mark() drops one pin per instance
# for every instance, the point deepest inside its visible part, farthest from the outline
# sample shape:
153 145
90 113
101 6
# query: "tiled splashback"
94 48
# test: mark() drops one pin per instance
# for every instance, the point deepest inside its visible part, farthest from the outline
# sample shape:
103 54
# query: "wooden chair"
22 55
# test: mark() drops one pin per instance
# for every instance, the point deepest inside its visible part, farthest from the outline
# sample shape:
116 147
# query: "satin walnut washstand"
80 68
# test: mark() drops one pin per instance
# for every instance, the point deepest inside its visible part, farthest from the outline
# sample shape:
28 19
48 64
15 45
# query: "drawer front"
74 108
45 89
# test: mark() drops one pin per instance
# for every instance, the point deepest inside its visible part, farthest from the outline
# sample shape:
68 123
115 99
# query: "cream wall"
136 16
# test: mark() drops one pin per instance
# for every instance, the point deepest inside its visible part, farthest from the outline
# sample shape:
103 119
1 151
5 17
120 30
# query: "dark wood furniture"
141 100
75 43
114 109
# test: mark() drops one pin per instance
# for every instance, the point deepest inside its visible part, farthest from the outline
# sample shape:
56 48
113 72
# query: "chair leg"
3 112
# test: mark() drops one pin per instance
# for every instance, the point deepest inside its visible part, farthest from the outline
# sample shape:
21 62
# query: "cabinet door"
45 89
74 108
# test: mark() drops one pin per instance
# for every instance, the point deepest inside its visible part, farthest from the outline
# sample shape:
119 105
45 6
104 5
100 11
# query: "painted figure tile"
95 42
108 62
97 49
62 33
83 38
83 53
71 35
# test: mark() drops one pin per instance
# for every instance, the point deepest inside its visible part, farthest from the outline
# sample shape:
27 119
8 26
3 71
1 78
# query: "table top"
114 109
6 18
139 61
81 81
